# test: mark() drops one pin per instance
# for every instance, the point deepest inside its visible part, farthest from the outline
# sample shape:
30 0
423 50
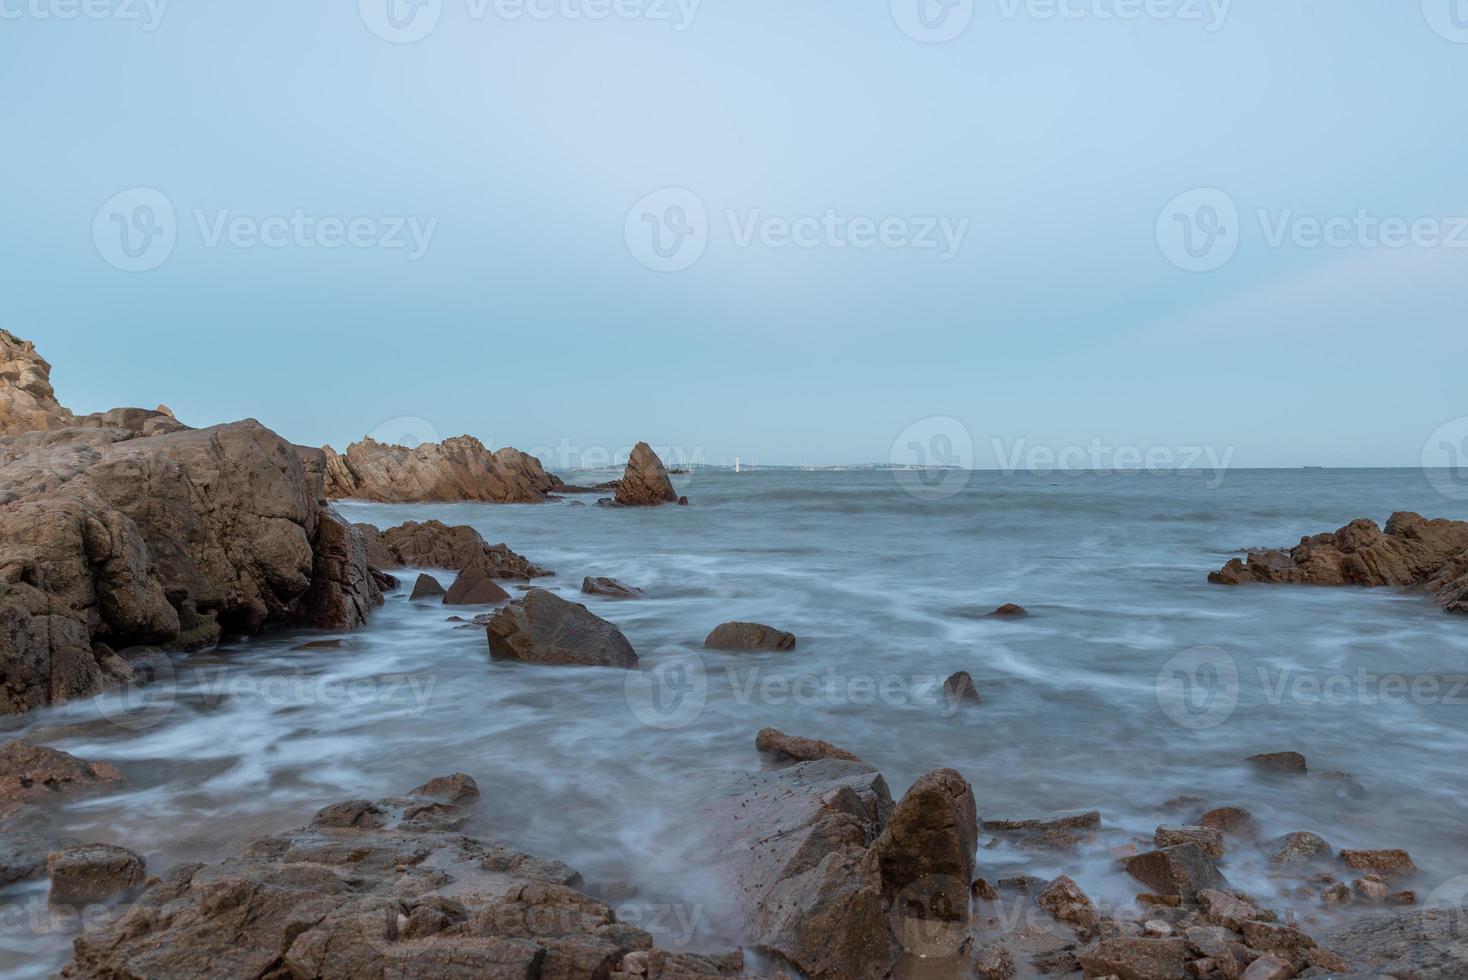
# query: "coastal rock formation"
27 402
645 482
833 877
434 544
86 873
126 528
543 628
611 588
748 636
382 888
427 587
456 469
35 773
1412 552
793 748
475 587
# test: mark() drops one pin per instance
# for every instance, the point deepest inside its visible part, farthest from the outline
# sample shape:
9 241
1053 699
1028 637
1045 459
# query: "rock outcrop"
748 636
830 875
456 469
384 888
1412 552
543 628
126 528
645 482
434 544
475 586
27 402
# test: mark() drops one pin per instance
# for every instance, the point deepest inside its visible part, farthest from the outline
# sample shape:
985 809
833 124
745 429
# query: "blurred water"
887 592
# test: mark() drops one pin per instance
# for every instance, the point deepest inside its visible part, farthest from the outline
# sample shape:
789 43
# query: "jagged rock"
1061 833
645 483
749 636
456 469
1301 847
1066 903
474 586
960 687
1182 870
1230 911
427 587
1411 552
87 873
1425 944
1136 959
543 628
457 788
127 529
27 401
390 899
1386 862
434 544
1210 841
35 773
793 748
611 588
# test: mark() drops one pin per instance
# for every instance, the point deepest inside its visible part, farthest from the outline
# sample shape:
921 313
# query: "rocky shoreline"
128 536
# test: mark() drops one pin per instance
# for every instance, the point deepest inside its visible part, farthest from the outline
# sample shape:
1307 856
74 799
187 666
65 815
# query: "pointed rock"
645 482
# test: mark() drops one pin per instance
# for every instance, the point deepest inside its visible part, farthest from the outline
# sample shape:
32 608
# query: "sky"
815 231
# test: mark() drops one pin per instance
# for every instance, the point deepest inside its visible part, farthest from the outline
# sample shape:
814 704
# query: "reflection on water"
1132 681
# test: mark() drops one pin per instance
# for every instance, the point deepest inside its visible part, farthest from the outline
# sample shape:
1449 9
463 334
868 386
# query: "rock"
127 529
1301 847
427 587
1230 911
1412 552
27 401
1288 943
611 588
1269 967
88 873
23 853
543 628
1425 944
1279 763
458 788
749 636
474 586
389 900
960 687
458 469
34 773
434 544
1182 870
792 748
1208 840
929 843
1136 959
1010 609
1232 820
1371 888
1063 833
993 962
1387 862
1066 903
645 483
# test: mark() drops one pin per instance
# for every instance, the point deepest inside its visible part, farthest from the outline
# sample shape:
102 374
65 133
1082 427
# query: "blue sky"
524 151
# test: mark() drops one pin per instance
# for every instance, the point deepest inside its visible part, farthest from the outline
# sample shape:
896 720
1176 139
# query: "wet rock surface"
85 873
543 628
457 469
434 544
611 588
749 636
475 586
793 748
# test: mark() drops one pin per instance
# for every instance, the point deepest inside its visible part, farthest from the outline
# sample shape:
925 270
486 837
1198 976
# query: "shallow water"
887 592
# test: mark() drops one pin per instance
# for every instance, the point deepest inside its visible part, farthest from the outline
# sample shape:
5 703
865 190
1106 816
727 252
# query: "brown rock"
1232 820
456 469
1136 959
434 544
960 687
27 401
792 748
1066 903
34 773
611 588
87 873
645 483
1426 944
427 587
1010 609
1279 763
1284 941
749 636
993 962
474 586
543 628
1230 911
1411 552
457 788
1371 888
1063 833
1210 841
1301 847
1269 967
1182 869
1385 862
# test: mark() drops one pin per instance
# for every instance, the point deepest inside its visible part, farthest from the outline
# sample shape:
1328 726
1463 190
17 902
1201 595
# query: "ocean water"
1132 681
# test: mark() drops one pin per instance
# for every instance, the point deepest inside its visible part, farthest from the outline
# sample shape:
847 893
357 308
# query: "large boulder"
475 586
645 482
543 628
127 529
456 469
1411 552
748 636
434 544
397 895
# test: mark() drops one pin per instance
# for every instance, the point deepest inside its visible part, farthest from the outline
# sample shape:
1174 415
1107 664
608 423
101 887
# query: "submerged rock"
645 482
543 628
427 587
456 469
1279 763
611 588
749 636
793 748
1412 552
1008 610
